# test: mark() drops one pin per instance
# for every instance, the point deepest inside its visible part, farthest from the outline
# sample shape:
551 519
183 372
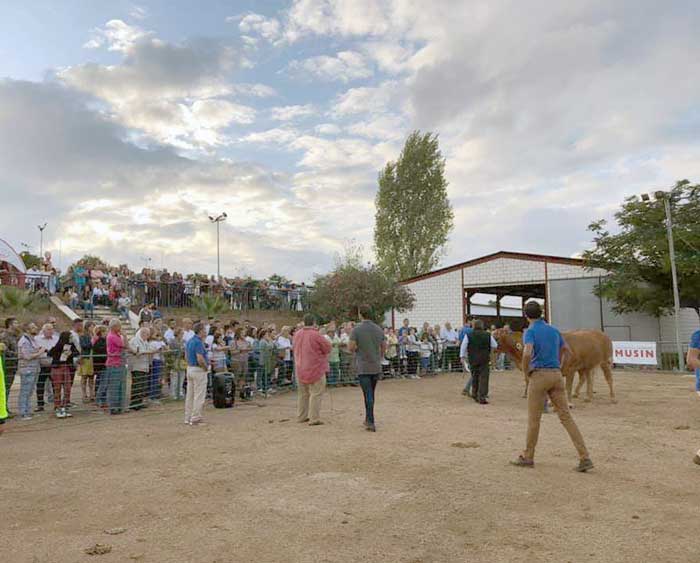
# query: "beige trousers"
549 383
309 397
196 393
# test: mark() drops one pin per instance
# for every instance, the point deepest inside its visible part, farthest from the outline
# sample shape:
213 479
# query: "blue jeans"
334 373
102 386
154 387
368 382
116 387
26 390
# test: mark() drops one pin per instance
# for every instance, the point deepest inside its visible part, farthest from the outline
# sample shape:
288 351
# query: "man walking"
311 351
367 342
542 364
693 361
197 366
476 349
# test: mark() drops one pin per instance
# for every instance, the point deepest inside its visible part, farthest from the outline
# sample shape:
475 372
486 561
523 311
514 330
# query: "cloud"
172 93
290 113
69 165
366 99
139 13
345 66
116 35
268 28
277 136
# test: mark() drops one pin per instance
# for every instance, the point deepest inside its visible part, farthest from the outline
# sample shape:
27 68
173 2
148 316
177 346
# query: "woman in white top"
218 353
284 349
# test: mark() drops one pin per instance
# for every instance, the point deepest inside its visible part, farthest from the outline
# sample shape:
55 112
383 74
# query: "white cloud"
277 136
327 129
139 13
173 93
116 35
289 113
367 99
268 28
345 66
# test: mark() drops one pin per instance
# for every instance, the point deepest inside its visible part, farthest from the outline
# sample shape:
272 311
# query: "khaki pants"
309 397
196 393
550 383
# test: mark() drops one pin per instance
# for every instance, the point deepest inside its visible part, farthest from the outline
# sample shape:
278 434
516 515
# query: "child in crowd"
426 351
86 364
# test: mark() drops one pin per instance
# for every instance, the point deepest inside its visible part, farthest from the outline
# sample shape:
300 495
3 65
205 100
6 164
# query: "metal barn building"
563 284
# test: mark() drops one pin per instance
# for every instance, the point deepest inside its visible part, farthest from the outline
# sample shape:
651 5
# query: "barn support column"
498 309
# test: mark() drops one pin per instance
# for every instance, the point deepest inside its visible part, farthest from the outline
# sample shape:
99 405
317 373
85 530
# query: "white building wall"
569 271
438 300
503 271
689 324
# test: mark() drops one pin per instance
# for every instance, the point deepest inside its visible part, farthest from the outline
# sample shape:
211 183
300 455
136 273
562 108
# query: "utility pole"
674 276
665 198
218 220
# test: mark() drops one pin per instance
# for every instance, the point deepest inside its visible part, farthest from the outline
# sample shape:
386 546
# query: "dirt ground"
255 486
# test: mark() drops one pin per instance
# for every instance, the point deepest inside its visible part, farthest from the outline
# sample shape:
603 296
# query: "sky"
124 125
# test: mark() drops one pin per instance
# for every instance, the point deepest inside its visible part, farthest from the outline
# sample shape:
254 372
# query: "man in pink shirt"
311 351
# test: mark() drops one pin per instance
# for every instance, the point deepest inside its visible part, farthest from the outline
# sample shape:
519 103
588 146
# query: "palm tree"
210 305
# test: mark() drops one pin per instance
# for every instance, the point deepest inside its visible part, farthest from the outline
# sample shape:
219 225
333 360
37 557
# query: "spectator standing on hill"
368 345
46 339
115 367
197 366
30 354
311 352
544 352
99 358
62 355
140 364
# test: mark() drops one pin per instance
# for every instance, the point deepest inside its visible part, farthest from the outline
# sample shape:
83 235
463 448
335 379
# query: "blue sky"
123 124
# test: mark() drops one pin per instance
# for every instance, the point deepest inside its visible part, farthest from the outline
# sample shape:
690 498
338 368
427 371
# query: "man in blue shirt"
197 368
544 352
693 361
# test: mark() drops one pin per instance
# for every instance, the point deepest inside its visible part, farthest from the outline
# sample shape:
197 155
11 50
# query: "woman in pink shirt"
115 370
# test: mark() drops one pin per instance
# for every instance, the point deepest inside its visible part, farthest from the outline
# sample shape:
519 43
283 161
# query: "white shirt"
465 343
186 335
46 344
286 345
169 335
450 336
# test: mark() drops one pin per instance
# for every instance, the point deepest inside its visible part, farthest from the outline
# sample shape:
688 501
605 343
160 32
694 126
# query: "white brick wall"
567 271
438 299
504 271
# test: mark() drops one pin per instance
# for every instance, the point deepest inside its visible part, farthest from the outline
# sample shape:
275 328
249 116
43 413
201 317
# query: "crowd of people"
86 288
46 361
177 359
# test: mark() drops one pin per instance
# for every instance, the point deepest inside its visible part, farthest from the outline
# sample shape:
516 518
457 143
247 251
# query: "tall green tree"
338 294
637 255
414 216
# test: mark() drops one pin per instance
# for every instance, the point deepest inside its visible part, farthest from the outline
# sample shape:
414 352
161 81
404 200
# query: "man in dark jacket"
476 347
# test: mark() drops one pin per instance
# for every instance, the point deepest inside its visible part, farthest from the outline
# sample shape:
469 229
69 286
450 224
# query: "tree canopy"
30 260
90 262
637 256
414 217
338 294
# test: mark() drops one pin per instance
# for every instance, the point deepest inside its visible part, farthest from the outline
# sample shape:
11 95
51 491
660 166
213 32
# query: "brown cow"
589 349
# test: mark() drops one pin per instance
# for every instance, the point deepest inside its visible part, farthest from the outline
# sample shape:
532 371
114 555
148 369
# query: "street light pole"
218 220
674 277
41 239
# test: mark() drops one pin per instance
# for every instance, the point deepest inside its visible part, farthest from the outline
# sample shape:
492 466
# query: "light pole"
218 220
666 199
41 240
